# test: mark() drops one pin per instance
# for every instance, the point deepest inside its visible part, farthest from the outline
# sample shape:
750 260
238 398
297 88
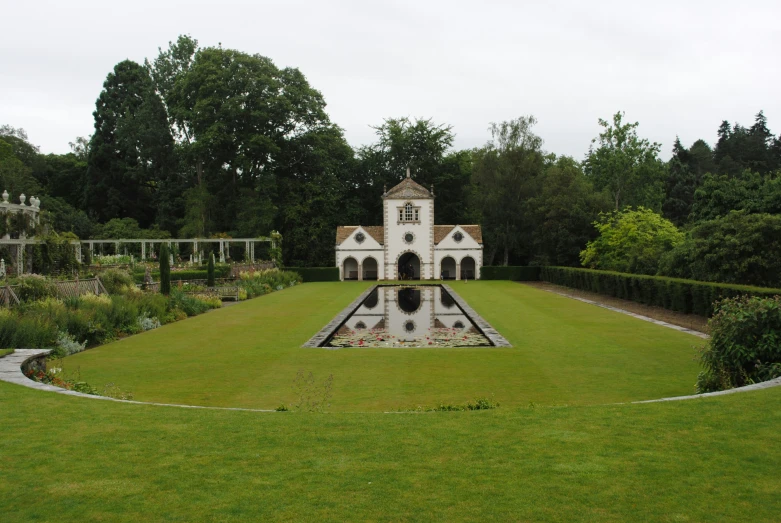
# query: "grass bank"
73 459
564 353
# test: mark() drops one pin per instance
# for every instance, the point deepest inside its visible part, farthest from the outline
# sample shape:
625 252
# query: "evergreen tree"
165 270
210 272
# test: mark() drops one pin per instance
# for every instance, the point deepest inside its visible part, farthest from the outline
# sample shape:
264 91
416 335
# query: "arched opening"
371 300
409 266
408 299
448 269
446 299
350 269
468 268
369 266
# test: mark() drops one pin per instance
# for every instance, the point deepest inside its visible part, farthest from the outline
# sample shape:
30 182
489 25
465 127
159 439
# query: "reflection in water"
404 316
408 299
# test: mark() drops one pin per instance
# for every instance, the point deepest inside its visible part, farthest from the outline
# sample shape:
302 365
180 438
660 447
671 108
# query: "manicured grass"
74 459
564 353
6 352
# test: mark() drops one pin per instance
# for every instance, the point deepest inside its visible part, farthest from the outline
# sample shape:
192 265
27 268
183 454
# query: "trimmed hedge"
687 296
310 274
220 272
514 273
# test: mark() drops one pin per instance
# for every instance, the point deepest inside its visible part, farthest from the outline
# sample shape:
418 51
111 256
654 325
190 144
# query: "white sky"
676 67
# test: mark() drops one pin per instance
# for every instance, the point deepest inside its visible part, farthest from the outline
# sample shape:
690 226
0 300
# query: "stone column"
143 251
360 272
458 270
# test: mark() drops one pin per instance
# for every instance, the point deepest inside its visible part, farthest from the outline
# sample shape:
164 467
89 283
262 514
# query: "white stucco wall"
369 248
423 232
458 251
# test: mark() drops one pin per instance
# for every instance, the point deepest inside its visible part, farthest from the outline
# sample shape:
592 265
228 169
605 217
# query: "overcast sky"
679 68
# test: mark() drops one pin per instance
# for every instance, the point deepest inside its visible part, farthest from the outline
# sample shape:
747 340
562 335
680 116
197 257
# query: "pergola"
79 245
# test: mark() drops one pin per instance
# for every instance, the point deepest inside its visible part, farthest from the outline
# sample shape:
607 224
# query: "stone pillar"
222 252
458 270
360 272
143 251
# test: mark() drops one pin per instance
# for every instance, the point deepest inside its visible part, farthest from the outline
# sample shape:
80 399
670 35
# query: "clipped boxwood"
514 273
687 296
310 274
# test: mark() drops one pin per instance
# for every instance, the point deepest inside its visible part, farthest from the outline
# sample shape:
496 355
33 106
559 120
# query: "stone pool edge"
492 334
315 341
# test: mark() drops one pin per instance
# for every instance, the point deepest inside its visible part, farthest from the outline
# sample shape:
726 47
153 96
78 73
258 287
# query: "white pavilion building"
408 245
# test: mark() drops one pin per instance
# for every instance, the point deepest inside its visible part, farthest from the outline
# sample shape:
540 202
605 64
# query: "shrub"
745 343
510 273
191 304
31 287
687 296
114 280
145 323
67 345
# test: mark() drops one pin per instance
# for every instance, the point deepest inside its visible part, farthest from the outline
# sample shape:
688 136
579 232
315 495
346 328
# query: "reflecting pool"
408 316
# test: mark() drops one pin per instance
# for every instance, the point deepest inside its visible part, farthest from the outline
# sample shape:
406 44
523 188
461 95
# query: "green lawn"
6 352
711 459
564 353
74 459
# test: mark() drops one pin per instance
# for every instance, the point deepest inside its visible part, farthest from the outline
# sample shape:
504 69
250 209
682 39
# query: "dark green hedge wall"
689 296
516 273
310 274
192 274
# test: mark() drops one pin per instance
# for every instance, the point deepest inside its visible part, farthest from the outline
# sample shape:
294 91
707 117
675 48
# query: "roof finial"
407 172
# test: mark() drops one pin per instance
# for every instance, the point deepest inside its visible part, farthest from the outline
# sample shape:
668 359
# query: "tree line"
204 141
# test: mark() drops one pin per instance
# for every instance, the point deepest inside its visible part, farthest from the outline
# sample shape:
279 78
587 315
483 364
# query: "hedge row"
688 296
514 273
190 274
310 274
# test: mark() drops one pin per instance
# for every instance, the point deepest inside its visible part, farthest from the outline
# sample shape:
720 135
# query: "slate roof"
407 189
375 231
442 231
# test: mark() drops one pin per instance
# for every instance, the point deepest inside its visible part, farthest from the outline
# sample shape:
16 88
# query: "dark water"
408 316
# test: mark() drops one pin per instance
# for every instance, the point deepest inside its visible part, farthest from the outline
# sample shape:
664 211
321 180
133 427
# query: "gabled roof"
442 231
345 231
408 189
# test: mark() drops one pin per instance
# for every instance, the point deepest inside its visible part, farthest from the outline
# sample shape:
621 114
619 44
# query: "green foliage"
513 273
504 177
191 305
310 274
562 212
210 272
687 167
747 191
123 228
165 270
131 149
745 343
631 241
737 248
259 283
687 296
55 255
626 166
116 281
32 287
